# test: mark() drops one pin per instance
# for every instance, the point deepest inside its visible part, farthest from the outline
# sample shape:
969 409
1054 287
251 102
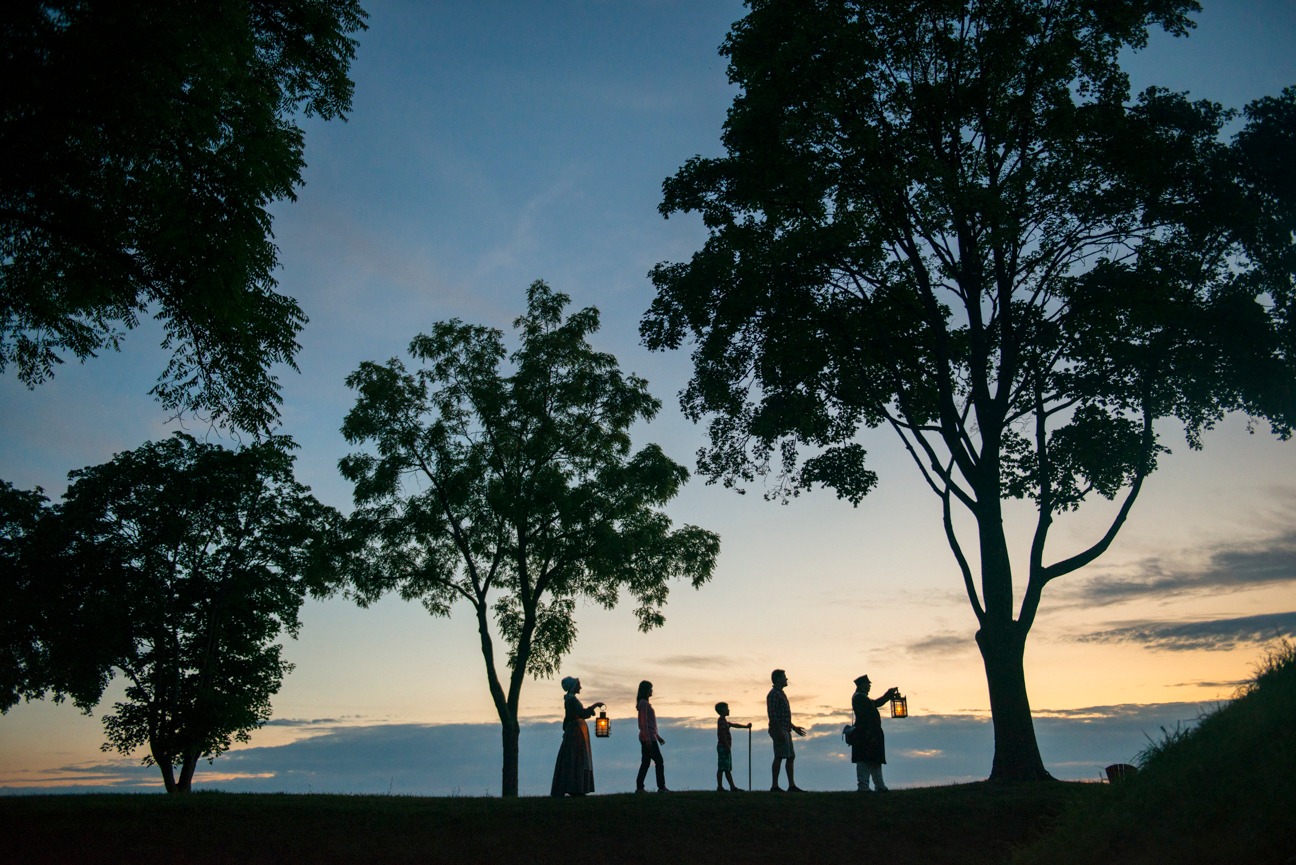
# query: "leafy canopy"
951 219
514 487
176 565
141 145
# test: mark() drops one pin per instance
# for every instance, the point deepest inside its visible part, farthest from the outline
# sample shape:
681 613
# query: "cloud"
304 722
1254 564
698 662
944 643
464 759
1213 634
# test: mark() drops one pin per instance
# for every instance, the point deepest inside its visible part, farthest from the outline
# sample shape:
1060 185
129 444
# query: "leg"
646 757
862 777
875 769
661 766
778 761
791 774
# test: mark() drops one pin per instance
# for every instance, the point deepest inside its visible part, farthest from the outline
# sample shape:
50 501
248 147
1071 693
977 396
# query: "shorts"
783 749
724 758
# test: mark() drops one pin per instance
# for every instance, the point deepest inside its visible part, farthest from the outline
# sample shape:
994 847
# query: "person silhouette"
781 729
724 748
574 769
868 745
650 741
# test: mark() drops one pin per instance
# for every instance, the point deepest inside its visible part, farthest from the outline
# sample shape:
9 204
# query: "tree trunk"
163 762
168 775
186 773
1016 751
509 732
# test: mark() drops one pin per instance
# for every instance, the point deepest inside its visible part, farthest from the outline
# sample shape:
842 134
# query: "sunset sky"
494 143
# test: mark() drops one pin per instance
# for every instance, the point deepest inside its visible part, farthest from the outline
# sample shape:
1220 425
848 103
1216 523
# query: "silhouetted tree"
176 565
950 219
141 145
515 490
60 624
22 514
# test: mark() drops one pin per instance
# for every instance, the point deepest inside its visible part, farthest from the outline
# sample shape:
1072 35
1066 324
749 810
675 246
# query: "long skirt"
574 770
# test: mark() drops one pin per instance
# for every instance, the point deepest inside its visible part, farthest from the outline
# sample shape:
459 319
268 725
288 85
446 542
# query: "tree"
21 515
515 490
141 146
951 219
56 633
176 565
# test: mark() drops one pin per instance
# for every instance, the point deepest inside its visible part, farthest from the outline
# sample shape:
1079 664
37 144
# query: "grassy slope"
1224 791
973 823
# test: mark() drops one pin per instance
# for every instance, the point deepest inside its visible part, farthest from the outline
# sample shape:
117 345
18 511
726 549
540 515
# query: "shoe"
795 790
776 789
719 789
883 789
640 790
662 790
736 790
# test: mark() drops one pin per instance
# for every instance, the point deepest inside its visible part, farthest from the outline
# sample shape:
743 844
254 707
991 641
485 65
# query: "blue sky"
495 143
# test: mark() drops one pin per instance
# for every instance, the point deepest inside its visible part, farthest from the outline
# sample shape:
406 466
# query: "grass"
1223 790
971 823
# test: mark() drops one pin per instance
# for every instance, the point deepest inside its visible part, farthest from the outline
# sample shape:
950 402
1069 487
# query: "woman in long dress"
574 771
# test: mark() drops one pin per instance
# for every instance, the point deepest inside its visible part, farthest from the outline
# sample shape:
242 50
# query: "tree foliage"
176 565
141 145
953 220
512 486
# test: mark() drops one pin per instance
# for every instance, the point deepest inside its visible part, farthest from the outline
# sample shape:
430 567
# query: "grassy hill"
973 823
1225 791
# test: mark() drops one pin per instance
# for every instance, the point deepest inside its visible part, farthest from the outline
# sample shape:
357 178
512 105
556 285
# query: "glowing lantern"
602 726
899 706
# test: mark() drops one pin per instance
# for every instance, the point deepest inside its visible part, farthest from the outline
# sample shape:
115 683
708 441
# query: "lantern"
602 726
899 706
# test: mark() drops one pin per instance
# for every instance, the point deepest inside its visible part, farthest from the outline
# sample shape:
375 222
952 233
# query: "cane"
749 758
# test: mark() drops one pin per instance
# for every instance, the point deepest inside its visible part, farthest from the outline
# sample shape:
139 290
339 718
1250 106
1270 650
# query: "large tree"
141 145
951 219
177 566
512 486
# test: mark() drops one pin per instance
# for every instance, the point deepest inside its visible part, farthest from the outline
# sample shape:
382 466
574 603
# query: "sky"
494 143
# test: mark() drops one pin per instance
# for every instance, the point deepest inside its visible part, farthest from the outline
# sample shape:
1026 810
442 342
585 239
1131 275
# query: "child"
724 747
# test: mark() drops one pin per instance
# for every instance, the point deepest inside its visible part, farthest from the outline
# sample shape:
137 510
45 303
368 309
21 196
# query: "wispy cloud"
1214 686
1211 634
1254 564
941 644
698 662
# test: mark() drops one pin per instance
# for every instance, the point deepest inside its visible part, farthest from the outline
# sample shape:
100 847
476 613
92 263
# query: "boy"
724 747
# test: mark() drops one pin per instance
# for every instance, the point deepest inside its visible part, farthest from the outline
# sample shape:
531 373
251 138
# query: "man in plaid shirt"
780 730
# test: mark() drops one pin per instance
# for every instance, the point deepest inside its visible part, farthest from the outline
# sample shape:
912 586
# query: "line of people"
574 769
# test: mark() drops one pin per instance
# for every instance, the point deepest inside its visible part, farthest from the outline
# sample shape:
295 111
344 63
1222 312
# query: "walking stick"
749 758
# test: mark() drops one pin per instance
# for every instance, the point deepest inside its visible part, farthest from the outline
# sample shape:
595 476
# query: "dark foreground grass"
972 824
